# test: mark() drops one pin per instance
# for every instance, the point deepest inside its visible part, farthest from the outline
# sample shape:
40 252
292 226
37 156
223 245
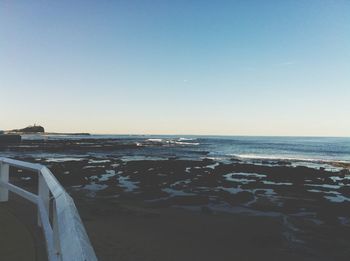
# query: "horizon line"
213 135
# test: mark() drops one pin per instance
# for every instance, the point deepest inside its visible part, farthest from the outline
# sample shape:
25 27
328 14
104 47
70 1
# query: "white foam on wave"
155 140
181 141
63 159
186 143
187 139
288 158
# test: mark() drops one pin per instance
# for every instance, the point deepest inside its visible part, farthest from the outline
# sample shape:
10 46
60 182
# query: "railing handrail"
22 164
66 239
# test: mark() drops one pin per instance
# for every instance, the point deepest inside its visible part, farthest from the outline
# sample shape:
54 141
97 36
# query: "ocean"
304 149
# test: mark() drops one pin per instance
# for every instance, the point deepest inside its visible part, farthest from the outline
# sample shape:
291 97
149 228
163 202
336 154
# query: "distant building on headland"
30 129
14 136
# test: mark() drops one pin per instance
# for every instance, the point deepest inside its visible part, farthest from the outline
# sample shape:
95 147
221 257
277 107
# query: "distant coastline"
37 129
66 134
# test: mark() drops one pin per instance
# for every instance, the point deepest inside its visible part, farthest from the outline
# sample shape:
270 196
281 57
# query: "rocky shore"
145 208
9 139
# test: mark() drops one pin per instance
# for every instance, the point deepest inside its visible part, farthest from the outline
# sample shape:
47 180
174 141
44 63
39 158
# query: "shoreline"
145 206
70 144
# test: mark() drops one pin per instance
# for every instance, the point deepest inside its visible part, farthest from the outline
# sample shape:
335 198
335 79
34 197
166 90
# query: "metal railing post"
4 177
56 237
44 196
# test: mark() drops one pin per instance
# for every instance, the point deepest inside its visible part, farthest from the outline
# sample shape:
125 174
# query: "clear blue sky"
181 67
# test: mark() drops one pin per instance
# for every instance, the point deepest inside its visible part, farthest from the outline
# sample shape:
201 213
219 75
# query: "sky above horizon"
176 67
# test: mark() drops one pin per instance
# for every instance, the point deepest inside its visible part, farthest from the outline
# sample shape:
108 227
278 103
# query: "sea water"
307 149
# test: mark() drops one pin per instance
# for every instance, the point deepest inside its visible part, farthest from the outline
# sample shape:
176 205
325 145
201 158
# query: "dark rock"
239 198
344 172
206 210
328 180
182 201
9 138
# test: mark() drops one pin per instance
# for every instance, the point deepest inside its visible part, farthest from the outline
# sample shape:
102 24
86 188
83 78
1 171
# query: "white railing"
65 236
